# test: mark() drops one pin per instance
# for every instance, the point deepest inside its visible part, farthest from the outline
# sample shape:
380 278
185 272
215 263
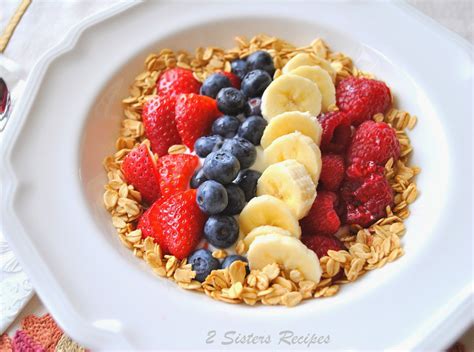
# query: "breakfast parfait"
266 173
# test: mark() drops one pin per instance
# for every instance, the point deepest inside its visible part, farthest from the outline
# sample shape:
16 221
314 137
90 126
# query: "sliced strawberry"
177 81
179 222
176 171
234 80
140 170
159 120
153 228
194 117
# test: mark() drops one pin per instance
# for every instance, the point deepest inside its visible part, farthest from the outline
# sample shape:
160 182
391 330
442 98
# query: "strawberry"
176 81
337 131
322 244
332 172
194 117
140 170
159 120
178 222
322 218
362 98
175 172
152 228
374 141
234 80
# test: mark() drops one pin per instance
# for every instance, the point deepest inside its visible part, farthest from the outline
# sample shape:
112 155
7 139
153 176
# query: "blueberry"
205 145
230 101
247 181
211 197
252 107
255 82
242 149
203 263
233 258
226 126
261 60
221 231
252 129
221 166
236 199
239 68
198 178
213 84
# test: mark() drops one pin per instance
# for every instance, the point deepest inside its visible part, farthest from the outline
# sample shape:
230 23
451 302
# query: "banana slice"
289 181
304 59
268 210
287 251
289 122
299 147
323 80
264 230
291 93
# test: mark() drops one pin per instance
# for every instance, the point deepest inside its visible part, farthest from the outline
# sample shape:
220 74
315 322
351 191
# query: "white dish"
104 297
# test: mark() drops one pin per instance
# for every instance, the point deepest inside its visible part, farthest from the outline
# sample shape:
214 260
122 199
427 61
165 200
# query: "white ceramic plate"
104 297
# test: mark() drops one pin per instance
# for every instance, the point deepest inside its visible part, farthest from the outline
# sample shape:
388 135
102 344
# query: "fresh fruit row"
286 191
225 182
352 187
184 111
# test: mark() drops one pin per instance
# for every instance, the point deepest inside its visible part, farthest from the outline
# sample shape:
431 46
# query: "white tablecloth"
46 22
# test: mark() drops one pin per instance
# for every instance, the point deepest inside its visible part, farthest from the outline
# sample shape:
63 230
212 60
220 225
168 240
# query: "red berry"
176 81
140 170
175 172
332 172
322 244
336 131
194 117
180 222
153 228
366 199
234 80
362 98
160 127
374 141
360 169
322 218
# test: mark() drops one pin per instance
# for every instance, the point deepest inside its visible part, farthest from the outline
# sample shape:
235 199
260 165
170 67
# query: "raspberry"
374 141
332 172
360 169
336 131
322 244
322 218
362 98
366 199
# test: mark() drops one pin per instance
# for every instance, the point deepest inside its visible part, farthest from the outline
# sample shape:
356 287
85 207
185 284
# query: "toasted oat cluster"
364 201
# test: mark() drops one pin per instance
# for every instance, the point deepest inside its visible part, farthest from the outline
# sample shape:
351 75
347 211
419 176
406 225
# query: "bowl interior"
102 125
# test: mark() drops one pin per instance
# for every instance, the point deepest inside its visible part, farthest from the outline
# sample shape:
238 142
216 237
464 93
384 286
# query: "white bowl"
104 297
